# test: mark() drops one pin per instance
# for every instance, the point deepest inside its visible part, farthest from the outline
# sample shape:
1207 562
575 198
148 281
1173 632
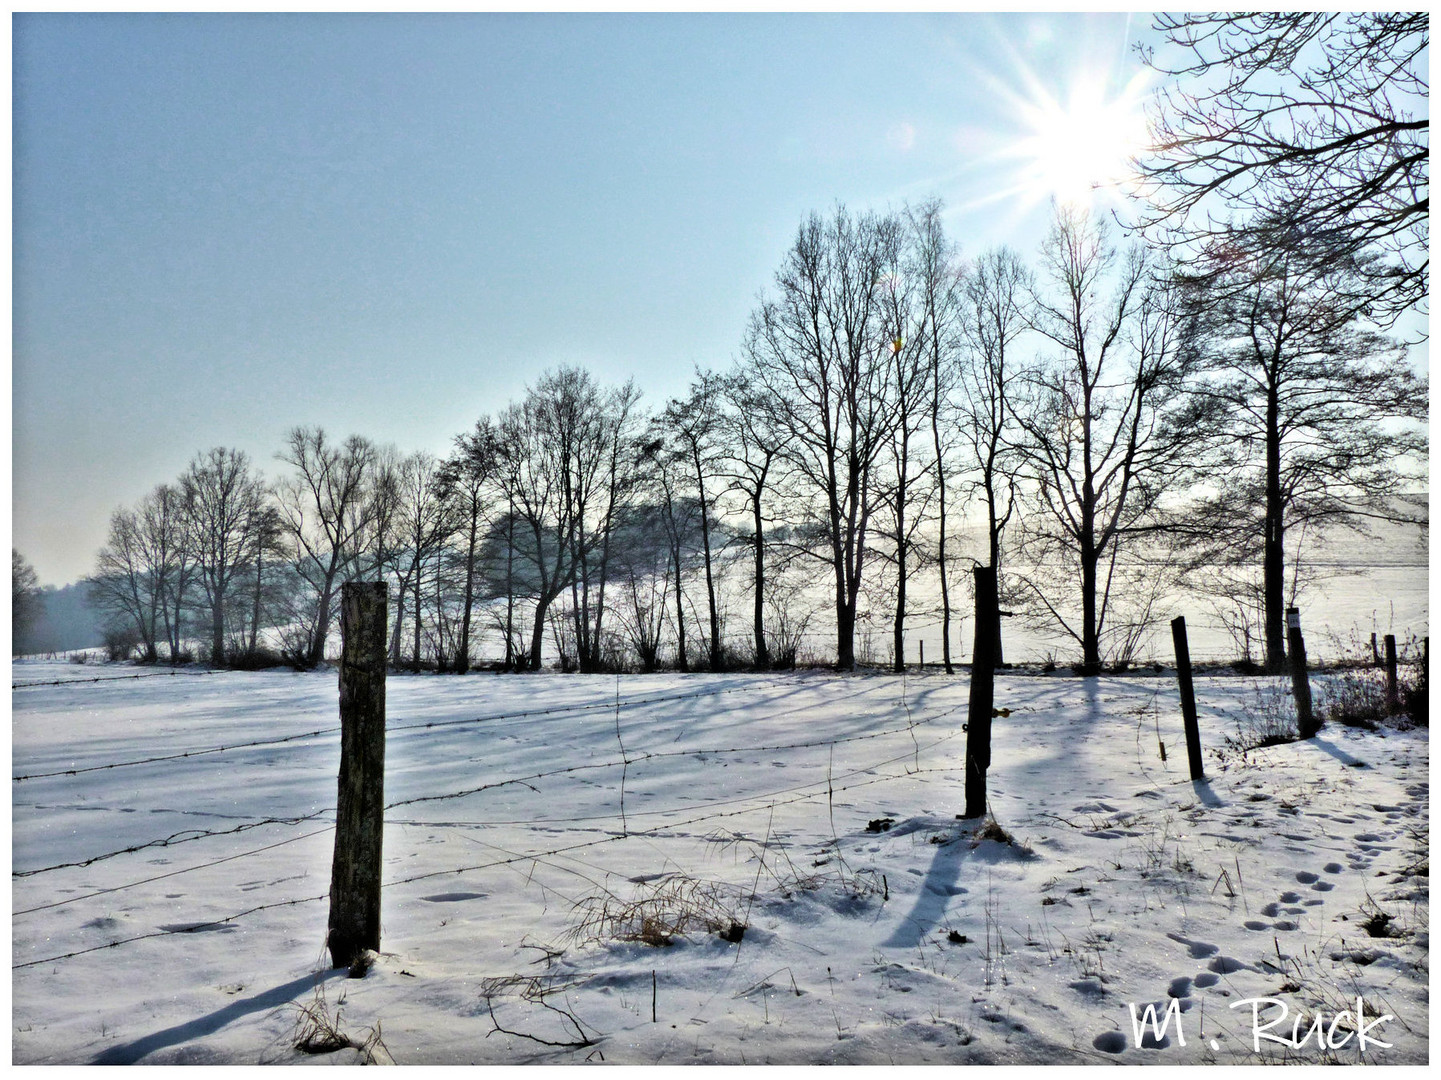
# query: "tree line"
1114 421
1120 414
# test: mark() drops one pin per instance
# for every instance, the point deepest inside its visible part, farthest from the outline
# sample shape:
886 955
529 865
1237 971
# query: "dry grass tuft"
666 909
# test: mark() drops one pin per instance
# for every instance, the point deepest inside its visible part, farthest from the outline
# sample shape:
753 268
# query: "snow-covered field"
566 858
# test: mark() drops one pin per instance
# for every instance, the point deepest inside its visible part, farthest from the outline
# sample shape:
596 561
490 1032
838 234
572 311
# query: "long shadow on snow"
1336 752
131 1052
933 897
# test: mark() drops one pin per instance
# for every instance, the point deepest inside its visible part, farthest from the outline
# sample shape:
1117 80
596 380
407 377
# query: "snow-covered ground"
567 856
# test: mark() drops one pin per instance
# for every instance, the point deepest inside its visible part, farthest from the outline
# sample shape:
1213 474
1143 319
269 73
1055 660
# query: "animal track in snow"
1225 965
1199 949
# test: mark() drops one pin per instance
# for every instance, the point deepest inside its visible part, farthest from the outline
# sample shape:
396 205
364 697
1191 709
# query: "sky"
225 226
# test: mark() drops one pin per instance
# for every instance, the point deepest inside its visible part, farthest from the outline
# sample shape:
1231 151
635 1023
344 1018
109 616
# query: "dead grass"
672 907
319 1030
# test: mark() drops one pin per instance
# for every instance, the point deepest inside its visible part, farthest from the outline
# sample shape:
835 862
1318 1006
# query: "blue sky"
227 225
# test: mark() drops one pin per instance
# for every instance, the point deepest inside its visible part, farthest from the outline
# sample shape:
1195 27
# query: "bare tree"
268 579
137 569
223 499
692 427
642 570
329 507
937 269
1320 411
818 349
620 480
562 448
752 442
24 599
424 523
909 379
995 315
1310 123
466 481
1098 439
679 517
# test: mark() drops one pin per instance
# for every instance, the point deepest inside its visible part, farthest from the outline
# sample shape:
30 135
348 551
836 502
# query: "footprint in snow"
1305 877
1111 1042
1180 987
1290 897
1332 868
1226 965
1207 978
1199 949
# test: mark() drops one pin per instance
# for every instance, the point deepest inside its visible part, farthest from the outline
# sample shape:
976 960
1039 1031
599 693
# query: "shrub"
120 643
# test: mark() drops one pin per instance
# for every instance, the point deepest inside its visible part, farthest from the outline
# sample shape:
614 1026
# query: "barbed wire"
188 836
185 836
170 873
390 728
759 802
111 678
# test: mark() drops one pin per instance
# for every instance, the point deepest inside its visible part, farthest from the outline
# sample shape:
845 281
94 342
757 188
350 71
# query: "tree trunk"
845 636
900 627
1090 639
941 544
255 607
1274 552
322 625
415 660
763 659
217 631
998 648
462 650
681 662
716 660
537 634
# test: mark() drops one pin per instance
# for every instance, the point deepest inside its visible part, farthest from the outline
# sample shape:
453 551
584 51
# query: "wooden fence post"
1393 691
983 672
1188 696
922 644
1300 684
360 806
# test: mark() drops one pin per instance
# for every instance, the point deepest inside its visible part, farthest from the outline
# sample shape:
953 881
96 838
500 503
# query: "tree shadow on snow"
131 1052
1336 752
934 895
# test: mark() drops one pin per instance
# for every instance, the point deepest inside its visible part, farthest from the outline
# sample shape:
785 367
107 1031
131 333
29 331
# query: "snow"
529 815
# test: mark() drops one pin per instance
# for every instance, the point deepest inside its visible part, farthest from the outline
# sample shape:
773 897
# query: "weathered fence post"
1188 696
983 672
359 814
1393 691
1300 684
922 644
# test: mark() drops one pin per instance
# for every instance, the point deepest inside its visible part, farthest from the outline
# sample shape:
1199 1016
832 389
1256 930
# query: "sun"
1077 149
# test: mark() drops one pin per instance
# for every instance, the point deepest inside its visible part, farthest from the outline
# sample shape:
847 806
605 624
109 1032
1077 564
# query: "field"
688 869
